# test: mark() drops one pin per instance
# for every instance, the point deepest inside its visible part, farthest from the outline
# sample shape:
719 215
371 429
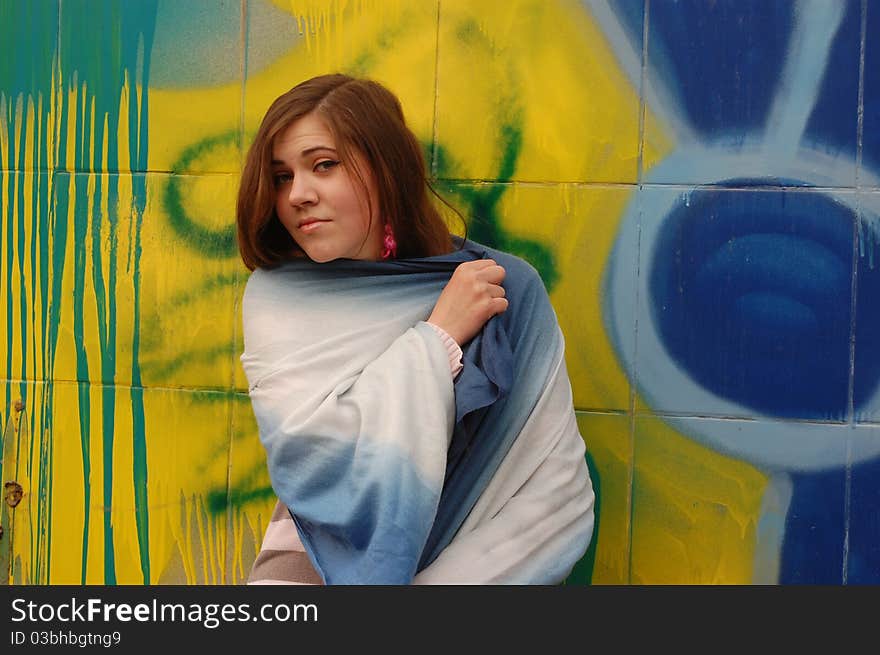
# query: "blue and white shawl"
393 473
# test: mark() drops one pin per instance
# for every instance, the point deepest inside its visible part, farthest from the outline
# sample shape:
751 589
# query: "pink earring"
389 243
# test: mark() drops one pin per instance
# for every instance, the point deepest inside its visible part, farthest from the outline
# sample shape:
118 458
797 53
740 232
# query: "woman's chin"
320 256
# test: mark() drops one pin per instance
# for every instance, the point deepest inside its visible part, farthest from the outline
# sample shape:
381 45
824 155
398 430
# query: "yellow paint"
695 512
186 459
610 446
548 67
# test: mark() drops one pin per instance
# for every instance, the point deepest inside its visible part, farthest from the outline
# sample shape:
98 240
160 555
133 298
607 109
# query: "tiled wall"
697 181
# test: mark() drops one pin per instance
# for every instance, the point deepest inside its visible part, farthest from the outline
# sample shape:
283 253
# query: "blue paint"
631 14
751 294
812 552
871 113
833 123
867 333
774 313
722 60
863 561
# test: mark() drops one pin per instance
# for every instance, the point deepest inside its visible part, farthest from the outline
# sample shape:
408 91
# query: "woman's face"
317 197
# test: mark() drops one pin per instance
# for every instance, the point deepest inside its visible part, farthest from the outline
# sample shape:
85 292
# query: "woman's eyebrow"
309 151
305 153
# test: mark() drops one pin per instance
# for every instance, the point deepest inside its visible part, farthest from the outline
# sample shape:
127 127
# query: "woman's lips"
312 224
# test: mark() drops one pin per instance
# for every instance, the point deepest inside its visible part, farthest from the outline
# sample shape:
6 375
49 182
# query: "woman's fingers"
500 305
493 274
496 291
471 297
485 269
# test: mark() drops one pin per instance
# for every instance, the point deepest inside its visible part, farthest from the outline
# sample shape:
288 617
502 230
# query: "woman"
409 386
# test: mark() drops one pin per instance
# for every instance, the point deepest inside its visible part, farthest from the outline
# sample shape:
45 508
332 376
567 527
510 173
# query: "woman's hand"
472 296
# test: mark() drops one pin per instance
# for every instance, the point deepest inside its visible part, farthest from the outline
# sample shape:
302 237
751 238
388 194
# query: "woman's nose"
302 191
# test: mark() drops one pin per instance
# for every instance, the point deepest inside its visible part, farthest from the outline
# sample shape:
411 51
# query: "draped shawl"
393 473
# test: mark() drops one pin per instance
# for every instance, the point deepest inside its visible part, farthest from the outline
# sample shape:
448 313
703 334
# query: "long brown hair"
364 117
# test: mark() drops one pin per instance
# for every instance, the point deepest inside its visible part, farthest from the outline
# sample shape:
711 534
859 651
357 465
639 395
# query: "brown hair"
364 117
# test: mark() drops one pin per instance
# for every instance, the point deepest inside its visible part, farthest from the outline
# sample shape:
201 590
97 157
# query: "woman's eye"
281 178
325 165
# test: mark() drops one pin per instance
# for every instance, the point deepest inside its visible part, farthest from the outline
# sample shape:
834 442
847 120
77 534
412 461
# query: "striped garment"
396 475
282 558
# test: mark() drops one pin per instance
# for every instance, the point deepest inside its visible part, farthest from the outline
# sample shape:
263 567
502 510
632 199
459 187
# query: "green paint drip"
108 359
34 231
108 396
139 472
22 297
83 394
106 334
58 221
44 491
80 227
31 31
40 557
139 465
138 141
100 44
9 222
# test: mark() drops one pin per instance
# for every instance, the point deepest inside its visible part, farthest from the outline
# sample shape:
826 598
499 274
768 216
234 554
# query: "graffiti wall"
698 183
